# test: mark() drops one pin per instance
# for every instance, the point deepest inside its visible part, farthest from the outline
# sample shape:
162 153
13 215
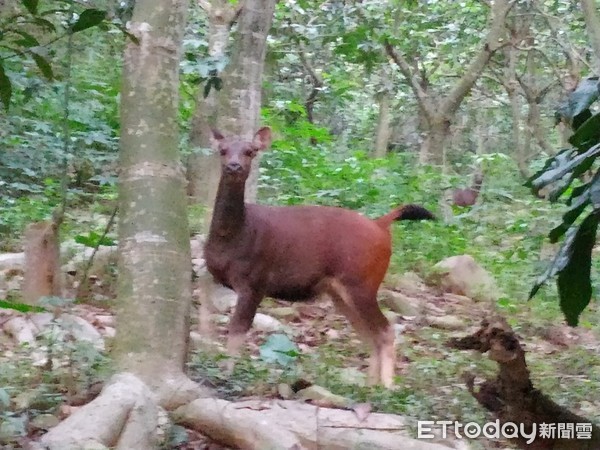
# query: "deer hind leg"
362 310
240 323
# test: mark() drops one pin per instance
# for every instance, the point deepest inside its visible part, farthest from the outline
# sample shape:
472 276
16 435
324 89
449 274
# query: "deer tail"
405 212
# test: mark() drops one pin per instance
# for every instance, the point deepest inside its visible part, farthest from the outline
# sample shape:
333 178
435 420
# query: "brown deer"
296 253
468 196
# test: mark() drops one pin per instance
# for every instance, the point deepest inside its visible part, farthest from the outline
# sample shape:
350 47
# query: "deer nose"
233 167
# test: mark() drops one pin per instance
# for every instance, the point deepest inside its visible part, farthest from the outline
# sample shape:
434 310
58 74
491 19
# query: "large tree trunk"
203 166
154 287
239 106
592 22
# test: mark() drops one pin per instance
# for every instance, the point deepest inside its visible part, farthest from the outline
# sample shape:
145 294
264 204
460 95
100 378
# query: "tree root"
123 416
512 397
278 424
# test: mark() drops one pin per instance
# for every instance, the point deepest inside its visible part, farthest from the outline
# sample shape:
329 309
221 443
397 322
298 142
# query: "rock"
265 323
400 303
109 332
81 330
352 376
23 400
223 299
391 316
447 323
41 320
463 276
410 283
282 312
22 330
399 330
11 260
285 391
44 422
105 320
321 396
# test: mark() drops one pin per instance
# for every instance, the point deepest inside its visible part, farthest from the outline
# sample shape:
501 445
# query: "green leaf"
587 134
28 40
5 88
22 307
31 5
43 23
94 240
42 64
88 18
574 281
280 349
575 109
561 165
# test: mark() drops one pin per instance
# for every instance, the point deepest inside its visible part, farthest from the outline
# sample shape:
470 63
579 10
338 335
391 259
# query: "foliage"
563 175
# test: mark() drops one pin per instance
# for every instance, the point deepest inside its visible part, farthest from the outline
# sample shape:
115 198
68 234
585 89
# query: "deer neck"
230 210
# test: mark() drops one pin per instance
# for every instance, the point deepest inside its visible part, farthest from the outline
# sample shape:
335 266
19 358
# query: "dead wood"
511 396
42 262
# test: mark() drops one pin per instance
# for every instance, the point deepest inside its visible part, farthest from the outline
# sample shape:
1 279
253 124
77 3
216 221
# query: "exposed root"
282 424
123 416
511 396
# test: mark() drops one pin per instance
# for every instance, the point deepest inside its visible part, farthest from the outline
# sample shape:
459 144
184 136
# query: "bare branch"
404 67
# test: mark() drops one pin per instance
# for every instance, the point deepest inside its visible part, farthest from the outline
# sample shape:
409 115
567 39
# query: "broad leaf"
27 41
31 5
93 240
562 164
88 18
574 281
22 307
587 134
42 64
5 88
280 349
580 99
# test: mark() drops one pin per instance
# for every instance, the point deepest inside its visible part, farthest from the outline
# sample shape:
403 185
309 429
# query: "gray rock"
463 276
265 323
81 330
400 303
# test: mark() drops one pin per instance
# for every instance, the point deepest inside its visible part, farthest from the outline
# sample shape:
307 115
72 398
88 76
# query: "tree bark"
592 23
292 425
384 130
154 286
203 166
439 110
239 106
42 262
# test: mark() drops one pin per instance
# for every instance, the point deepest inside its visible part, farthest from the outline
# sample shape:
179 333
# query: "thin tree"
438 111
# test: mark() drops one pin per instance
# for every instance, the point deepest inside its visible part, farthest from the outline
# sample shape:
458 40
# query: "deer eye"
223 151
249 152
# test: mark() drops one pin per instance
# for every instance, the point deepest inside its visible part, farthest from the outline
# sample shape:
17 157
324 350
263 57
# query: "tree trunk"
433 147
203 166
42 262
592 23
384 131
154 287
439 111
239 106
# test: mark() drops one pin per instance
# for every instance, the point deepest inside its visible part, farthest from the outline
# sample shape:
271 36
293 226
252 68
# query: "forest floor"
564 362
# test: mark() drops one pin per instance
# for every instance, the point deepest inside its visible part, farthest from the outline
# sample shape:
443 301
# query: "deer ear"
262 138
216 135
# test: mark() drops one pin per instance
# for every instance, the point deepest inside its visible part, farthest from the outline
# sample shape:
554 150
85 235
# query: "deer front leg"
240 323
